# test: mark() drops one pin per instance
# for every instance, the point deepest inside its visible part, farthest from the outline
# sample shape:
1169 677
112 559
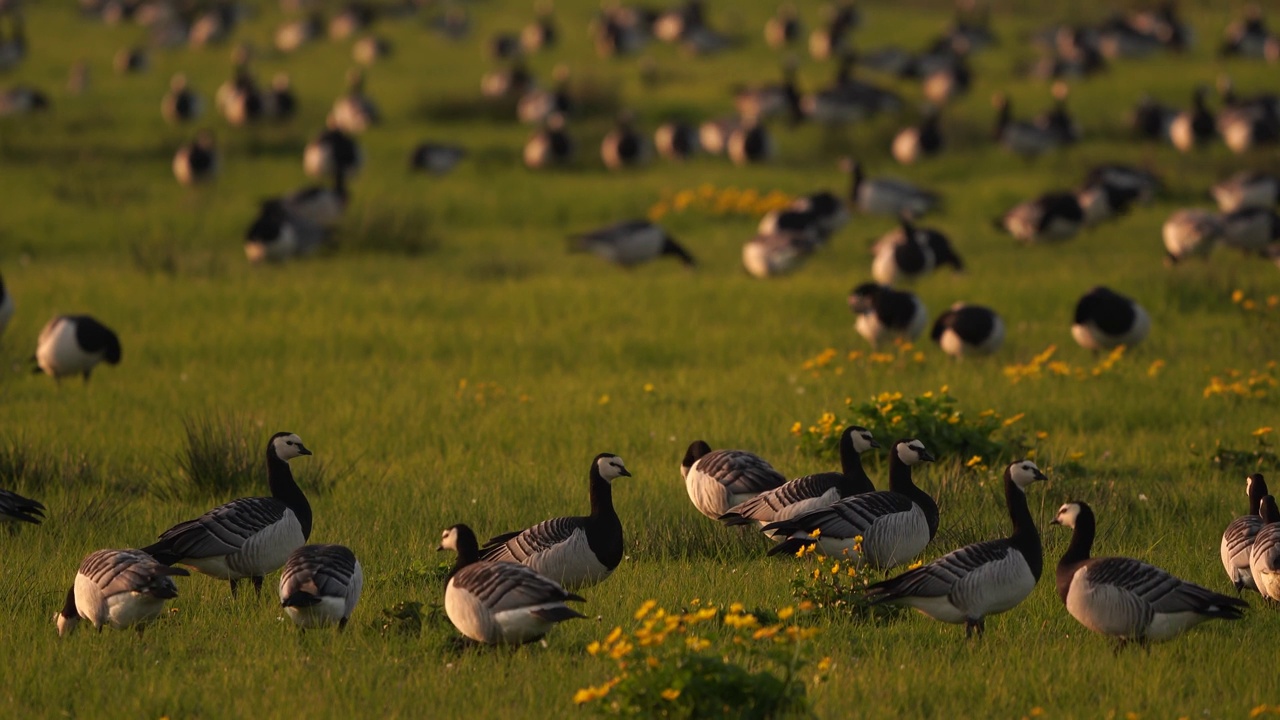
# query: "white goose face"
1067 515
66 625
289 446
449 539
611 467
913 452
862 439
1025 472
1248 485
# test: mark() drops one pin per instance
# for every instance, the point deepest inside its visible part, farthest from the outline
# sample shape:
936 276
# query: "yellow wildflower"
648 387
1262 431
670 694
604 399
824 664
645 607
975 460
1011 420
786 612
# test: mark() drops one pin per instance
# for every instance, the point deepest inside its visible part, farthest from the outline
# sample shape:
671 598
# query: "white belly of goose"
572 563
1107 609
896 538
59 354
120 611
1237 542
329 611
264 552
994 588
478 622
711 497
1264 562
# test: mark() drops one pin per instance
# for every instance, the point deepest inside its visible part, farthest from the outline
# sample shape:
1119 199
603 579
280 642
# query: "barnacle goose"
749 143
14 509
6 306
22 99
713 135
1105 319
292 35
542 33
886 196
500 603
74 345
676 140
247 537
831 39
551 145
884 313
120 588
1247 189
354 112
180 104
239 99
811 492
985 578
783 28
1052 216
371 48
536 104
779 252
1237 539
1125 598
1193 128
196 161
1020 137
510 82
1190 233
1264 555
1251 230
317 205
277 235
1249 37
1110 190
320 585
1246 122
910 252
131 60
436 158
332 151
623 146
918 141
848 99
968 330
576 552
280 103
630 243
718 480
767 101
893 526
947 81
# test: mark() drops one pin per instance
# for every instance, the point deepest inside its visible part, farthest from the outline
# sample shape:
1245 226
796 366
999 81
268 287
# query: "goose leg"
970 625
233 587
342 624
257 584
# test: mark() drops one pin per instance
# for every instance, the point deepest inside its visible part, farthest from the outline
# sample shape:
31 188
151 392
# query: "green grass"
364 352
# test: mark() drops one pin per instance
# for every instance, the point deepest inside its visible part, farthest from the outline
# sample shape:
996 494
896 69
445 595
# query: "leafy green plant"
835 585
1259 457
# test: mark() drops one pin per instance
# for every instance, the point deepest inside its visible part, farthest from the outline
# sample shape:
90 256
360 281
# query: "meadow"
449 362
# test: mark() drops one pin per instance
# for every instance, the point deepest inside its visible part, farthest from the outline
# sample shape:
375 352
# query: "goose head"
68 617
449 538
287 446
1068 514
1254 481
610 467
862 298
1025 472
696 450
912 452
861 438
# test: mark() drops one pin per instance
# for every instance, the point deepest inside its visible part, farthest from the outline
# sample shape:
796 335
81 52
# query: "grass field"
450 363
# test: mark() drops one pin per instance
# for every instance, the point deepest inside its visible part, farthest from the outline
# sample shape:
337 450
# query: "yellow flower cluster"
1264 709
1236 384
1250 305
900 355
1043 365
590 693
721 201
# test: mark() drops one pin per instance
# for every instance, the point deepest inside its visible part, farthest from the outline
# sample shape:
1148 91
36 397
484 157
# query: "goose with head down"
1237 539
718 480
120 588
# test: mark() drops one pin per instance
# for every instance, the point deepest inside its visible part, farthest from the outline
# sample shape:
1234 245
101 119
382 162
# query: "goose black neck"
671 247
468 549
900 482
601 496
1257 491
1025 538
286 490
853 479
855 180
69 607
1077 552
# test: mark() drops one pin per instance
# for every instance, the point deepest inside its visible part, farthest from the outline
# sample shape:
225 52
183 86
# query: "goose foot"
257 584
970 625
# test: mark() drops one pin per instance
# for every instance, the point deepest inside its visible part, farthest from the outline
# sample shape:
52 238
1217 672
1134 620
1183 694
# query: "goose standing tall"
500 603
894 526
718 480
120 588
985 578
576 552
1237 539
1264 556
1128 599
321 585
811 492
248 537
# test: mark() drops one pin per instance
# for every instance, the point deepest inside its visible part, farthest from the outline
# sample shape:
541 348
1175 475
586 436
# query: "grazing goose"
1128 184
239 99
749 143
848 99
292 35
948 81
542 33
74 345
1020 137
1237 539
985 578
1264 555
320 585
1249 37
676 140
713 135
536 104
549 146
319 206
1105 319
196 161
886 196
918 141
1193 128
1150 119
795 220
624 147
354 112
6 306
767 101
829 212
831 38
1247 122
719 480
332 151
894 525
120 588
1251 230
884 313
500 603
910 252
1247 190
276 235
505 46
811 492
630 243
968 330
436 158
1190 233
180 104
1050 217
248 537
21 100
510 82
14 509
576 552
1057 121
1125 598
783 28
777 253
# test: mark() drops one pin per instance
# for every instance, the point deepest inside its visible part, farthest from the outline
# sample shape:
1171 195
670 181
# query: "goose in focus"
985 578
719 480
630 243
120 588
1251 230
1128 599
886 196
7 307
777 253
894 525
1051 217
966 330
1190 232
247 537
918 141
624 147
1264 555
320 585
500 603
1237 539
1193 128
276 235
885 314
576 552
1105 319
196 161
436 158
15 509
74 345
550 146
676 140
910 252
180 104
332 151
1247 189
811 492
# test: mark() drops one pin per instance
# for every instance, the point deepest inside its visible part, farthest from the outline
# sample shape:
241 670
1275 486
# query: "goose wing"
518 547
614 233
506 586
1239 536
221 531
1156 588
15 506
767 504
847 518
321 570
130 571
741 472
940 577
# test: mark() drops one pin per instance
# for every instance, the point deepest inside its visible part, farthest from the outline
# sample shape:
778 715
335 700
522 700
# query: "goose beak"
1040 475
440 548
926 456
302 449
1055 521
874 444
624 473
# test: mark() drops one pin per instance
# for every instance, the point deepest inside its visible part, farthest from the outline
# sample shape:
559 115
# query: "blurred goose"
14 509
1057 121
280 103
74 345
623 146
831 38
180 104
1190 233
767 101
500 603
910 252
511 82
848 99
713 135
436 158
676 140
811 492
549 146
1246 122
504 46
1249 37
333 150
884 313
620 31
22 100
370 49
1127 183
630 243
1100 200
1105 319
1050 217
128 61
1247 189
918 141
968 330
292 35
777 253
6 307
886 196
276 235
541 34
1150 119
783 28
120 588
1125 598
13 49
320 585
351 19
894 525
718 480
1193 128
1264 555
1020 137
576 552
1251 230
196 161
247 537
319 206
537 104
749 143
828 211
985 578
239 99
796 220
1237 539
947 82
354 112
